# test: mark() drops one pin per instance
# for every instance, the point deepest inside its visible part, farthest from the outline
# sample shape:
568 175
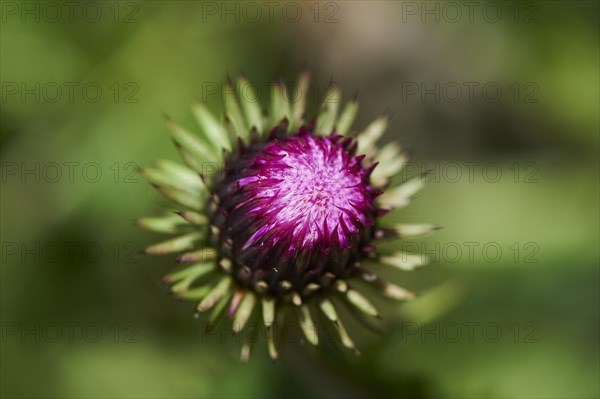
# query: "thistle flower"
291 218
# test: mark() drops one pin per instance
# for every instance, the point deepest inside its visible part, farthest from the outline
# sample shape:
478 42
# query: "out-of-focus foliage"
545 201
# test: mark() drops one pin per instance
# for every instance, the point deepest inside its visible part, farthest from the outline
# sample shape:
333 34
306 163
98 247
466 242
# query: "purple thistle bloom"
298 197
292 218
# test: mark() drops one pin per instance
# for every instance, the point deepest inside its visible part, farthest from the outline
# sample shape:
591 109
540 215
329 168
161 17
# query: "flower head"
301 185
292 217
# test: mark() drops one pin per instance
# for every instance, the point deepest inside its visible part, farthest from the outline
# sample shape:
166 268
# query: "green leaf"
268 310
244 312
399 196
213 130
299 101
307 325
194 271
174 245
411 230
193 217
234 114
368 137
184 285
182 174
391 161
329 109
199 255
280 107
185 198
347 118
357 299
171 223
250 104
218 291
192 144
162 178
404 261
329 311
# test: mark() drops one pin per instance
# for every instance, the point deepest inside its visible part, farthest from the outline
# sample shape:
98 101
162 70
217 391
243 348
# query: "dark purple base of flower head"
293 210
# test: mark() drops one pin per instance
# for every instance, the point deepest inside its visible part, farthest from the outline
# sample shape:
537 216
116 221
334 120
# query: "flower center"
293 211
308 188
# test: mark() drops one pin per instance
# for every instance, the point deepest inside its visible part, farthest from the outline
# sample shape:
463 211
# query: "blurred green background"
84 314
